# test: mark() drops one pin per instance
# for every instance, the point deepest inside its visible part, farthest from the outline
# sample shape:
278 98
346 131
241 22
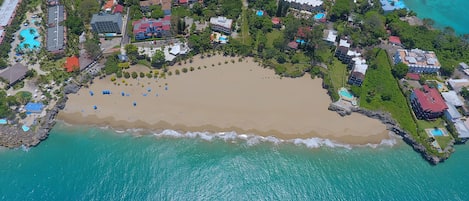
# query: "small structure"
33 108
463 66
165 5
118 9
413 76
427 103
418 61
221 24
306 5
71 64
452 98
330 36
107 23
14 73
293 45
107 7
276 22
394 40
458 84
358 71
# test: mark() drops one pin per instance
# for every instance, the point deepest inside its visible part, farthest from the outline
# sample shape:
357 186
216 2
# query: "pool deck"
429 132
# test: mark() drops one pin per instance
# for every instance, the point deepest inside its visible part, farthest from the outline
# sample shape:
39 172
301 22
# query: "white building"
358 71
418 61
453 98
221 24
330 36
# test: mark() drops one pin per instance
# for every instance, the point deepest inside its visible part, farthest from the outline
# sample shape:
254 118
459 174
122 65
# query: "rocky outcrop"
13 136
393 126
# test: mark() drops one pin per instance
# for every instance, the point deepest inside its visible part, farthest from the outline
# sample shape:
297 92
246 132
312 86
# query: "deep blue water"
79 163
452 13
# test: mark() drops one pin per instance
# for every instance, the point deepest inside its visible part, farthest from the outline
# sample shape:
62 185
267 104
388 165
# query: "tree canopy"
157 59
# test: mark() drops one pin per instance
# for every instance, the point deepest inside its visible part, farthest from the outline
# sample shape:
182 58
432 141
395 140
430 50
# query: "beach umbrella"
123 94
95 107
166 88
135 103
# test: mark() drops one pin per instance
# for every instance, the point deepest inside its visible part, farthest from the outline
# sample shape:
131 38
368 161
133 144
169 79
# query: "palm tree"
32 31
21 37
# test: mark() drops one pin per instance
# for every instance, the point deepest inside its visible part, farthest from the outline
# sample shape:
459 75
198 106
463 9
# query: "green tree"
156 12
341 9
132 52
92 48
157 59
134 75
197 9
111 65
23 97
75 24
400 70
86 9
465 93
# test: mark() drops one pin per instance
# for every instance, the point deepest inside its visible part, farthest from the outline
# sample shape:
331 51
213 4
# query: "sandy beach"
240 96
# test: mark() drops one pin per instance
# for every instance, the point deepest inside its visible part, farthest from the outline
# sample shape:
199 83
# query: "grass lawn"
380 91
424 124
245 38
443 141
338 74
272 36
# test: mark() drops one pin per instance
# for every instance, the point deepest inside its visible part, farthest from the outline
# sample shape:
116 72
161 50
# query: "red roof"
71 64
118 9
182 1
413 76
276 20
302 31
395 40
430 99
293 45
166 27
108 4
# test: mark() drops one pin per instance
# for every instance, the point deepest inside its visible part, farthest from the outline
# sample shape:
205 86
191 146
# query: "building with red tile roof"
427 103
147 28
72 64
412 76
276 22
395 40
118 9
293 45
108 5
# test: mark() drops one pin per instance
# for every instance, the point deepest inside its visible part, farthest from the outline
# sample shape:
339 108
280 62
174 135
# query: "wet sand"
240 96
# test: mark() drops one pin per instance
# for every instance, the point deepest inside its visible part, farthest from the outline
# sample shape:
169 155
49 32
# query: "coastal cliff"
393 126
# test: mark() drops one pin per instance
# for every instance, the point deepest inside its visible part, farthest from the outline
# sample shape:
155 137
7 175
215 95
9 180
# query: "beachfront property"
452 114
306 5
165 5
464 68
418 61
7 14
221 24
330 36
427 103
219 38
390 5
357 75
452 98
458 84
103 23
55 36
14 74
344 52
148 28
460 123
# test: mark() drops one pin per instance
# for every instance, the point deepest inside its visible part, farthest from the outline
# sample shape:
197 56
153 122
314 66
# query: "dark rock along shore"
13 136
392 125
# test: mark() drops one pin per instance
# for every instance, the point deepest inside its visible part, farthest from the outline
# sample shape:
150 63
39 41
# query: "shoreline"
232 96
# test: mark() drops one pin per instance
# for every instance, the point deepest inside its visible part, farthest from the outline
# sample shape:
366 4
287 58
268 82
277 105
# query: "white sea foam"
251 139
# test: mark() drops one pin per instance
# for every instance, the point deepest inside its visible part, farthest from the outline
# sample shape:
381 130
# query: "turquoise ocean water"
83 163
452 13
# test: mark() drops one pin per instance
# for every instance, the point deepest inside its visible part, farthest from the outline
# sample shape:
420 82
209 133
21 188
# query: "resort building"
55 38
72 64
7 14
427 103
148 28
345 53
221 24
107 23
52 2
14 73
452 98
418 61
358 72
306 5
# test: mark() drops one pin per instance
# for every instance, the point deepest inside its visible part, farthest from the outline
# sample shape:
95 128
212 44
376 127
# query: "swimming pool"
440 86
223 38
345 93
319 16
437 132
3 121
30 42
260 13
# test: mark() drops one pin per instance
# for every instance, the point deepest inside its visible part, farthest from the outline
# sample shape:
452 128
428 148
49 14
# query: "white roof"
452 98
221 21
344 43
6 11
331 36
462 129
361 68
175 49
313 3
353 53
463 65
452 111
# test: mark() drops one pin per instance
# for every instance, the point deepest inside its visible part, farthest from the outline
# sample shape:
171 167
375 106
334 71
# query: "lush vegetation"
380 91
